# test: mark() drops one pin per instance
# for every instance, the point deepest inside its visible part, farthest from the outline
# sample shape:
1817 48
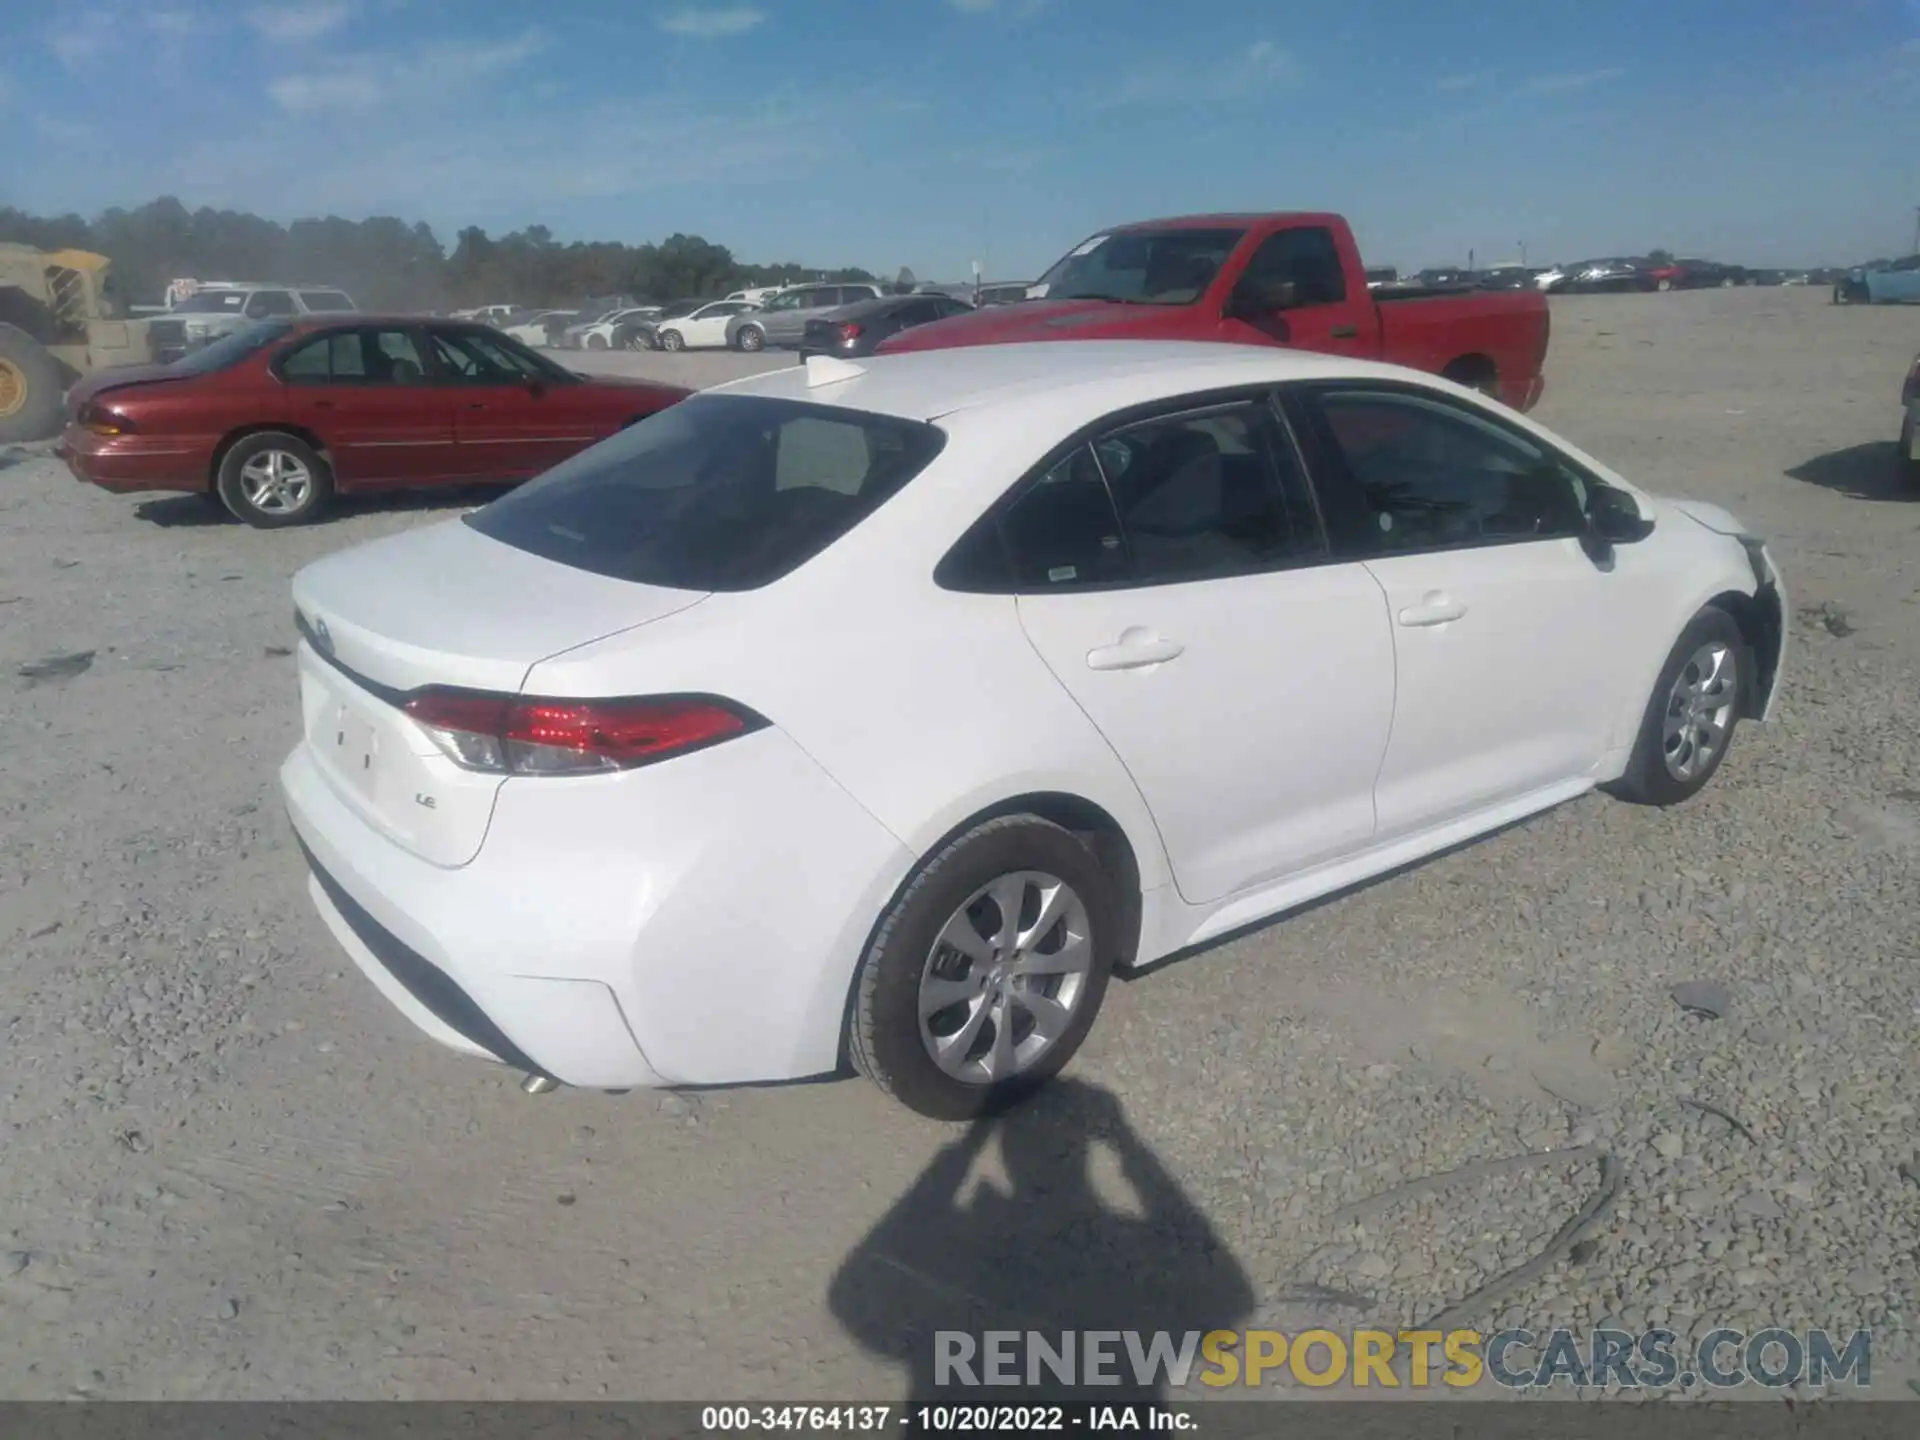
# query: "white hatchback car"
877 713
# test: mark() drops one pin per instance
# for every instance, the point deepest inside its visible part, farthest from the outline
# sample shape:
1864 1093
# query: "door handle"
1135 650
1346 332
1434 608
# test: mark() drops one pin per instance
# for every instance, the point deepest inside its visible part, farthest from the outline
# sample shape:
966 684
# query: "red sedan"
278 418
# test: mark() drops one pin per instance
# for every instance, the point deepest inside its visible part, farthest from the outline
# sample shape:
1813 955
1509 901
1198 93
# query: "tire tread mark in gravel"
1688 1102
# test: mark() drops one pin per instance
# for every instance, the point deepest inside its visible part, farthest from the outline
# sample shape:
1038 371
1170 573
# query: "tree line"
388 264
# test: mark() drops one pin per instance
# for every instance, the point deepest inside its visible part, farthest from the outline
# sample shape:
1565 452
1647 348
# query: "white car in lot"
878 712
606 332
703 329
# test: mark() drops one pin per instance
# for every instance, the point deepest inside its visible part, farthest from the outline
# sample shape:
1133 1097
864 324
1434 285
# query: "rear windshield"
231 349
325 301
719 492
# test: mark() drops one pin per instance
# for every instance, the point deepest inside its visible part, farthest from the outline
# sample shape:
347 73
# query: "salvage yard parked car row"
651 673
276 419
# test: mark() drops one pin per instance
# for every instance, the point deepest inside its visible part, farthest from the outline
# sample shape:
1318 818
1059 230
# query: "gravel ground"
228 1169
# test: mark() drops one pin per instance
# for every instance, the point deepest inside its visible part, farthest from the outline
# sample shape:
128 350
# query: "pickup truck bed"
1283 279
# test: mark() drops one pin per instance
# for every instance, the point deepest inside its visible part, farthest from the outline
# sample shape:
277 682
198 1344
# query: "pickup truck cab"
1282 279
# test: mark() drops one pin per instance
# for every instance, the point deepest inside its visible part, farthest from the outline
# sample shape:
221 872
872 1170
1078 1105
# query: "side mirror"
1259 299
1614 518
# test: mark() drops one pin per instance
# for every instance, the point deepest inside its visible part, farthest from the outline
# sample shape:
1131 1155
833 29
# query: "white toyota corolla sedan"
877 713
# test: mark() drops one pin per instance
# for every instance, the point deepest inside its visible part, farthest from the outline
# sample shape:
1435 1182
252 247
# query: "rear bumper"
660 927
129 465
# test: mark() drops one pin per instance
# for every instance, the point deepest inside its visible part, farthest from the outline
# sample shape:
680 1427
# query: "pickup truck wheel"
1664 285
1475 375
30 389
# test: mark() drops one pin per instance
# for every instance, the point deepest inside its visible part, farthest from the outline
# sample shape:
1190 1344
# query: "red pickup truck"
1289 279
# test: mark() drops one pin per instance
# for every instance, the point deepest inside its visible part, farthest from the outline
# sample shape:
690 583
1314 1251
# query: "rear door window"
325 301
267 303
719 492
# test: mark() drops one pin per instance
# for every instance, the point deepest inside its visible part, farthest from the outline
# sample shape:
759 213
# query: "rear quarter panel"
1510 328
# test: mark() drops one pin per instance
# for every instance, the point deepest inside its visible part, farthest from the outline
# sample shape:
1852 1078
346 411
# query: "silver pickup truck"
215 311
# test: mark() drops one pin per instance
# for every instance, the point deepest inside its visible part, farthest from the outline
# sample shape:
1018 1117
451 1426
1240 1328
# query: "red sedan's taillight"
523 735
102 421
847 331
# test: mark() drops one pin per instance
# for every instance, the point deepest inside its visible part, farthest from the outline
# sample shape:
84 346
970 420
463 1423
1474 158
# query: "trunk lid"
120 378
443 606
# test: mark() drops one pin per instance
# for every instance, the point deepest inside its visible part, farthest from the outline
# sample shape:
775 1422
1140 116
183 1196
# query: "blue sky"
930 133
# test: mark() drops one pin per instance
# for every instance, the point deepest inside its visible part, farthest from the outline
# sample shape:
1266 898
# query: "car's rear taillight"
847 331
526 735
102 421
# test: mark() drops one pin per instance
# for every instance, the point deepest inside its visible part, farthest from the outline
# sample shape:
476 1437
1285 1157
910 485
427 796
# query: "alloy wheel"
276 482
1699 710
1006 977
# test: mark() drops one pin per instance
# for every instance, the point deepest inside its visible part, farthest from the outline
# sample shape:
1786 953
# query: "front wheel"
672 340
596 342
752 339
1690 718
272 480
985 975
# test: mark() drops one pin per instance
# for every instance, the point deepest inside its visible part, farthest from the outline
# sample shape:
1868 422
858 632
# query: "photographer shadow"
1038 1249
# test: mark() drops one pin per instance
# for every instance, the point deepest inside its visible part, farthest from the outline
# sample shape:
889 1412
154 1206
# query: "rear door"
505 422
362 389
1174 576
1320 315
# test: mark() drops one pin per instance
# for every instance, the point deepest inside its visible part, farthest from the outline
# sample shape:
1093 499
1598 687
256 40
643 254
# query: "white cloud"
512 169
346 90
1261 69
309 21
175 24
1568 82
360 82
79 39
698 23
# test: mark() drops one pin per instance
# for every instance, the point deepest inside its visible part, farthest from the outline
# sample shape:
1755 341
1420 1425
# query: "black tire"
596 342
750 339
672 340
232 481
1908 462
32 392
884 1039
1649 780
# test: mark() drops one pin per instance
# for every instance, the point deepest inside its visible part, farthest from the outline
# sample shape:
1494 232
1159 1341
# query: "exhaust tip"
539 1085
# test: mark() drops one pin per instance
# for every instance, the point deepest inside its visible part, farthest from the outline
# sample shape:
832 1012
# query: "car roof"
321 319
1227 219
929 384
